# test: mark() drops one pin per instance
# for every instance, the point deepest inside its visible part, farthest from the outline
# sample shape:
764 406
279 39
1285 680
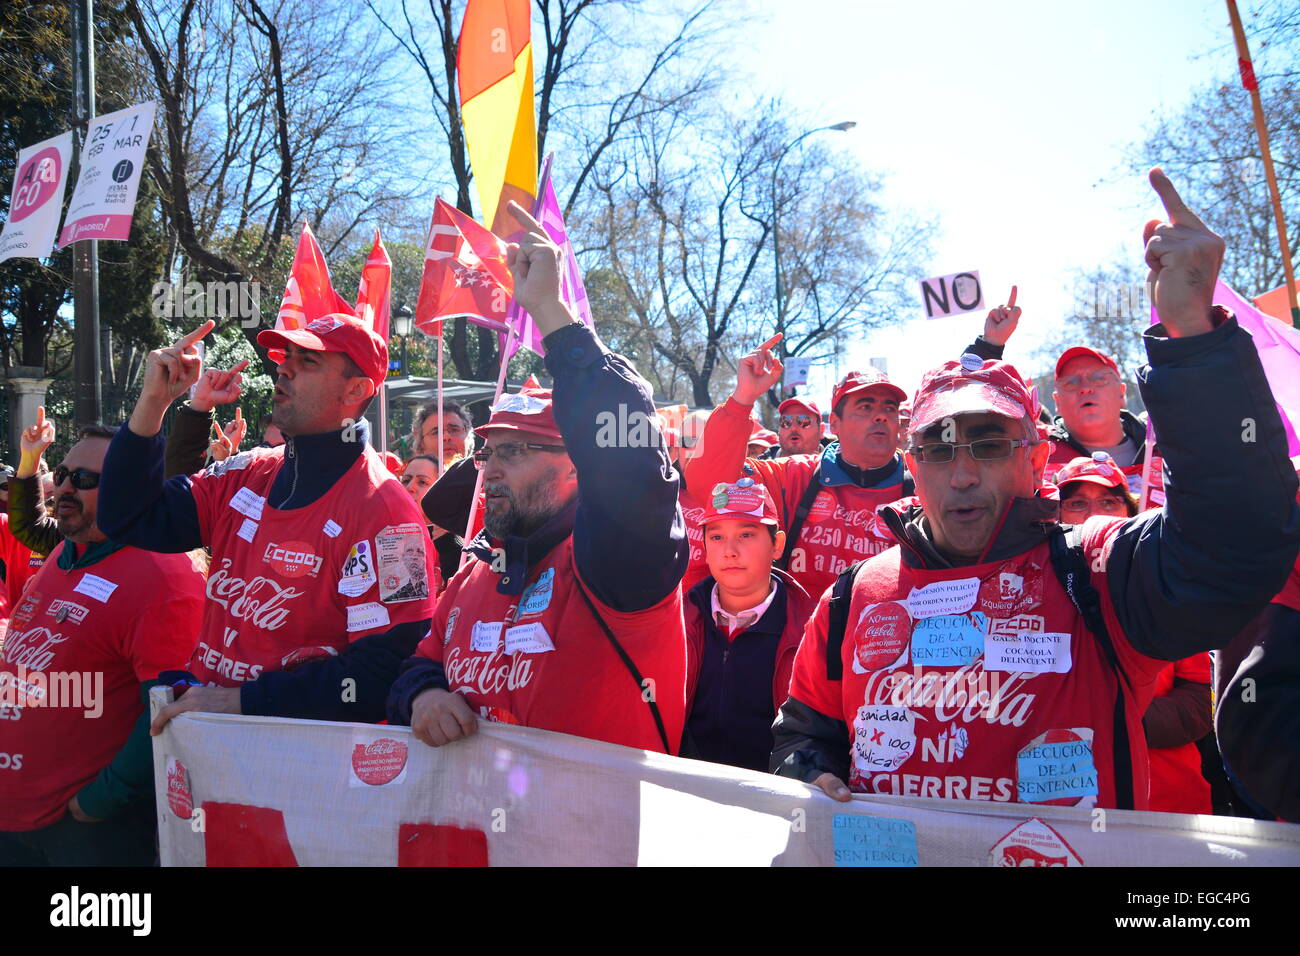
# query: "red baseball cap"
745 499
337 332
1100 469
799 403
971 385
527 410
858 381
1077 350
393 463
761 435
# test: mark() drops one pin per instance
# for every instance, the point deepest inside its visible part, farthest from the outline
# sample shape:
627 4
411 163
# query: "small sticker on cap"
1099 456
971 362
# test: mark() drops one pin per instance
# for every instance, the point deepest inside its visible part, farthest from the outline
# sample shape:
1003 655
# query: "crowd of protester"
932 595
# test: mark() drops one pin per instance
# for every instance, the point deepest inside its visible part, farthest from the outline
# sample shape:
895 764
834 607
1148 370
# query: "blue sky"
1006 120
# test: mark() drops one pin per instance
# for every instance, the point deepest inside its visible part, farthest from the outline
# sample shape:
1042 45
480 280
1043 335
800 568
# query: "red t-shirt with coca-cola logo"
978 682
80 643
540 659
289 586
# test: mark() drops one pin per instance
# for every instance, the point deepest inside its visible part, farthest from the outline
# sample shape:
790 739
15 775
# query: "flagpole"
478 482
438 451
1251 85
1146 468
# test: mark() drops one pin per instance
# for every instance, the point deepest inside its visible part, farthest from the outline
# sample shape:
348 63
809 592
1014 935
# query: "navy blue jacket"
629 540
137 507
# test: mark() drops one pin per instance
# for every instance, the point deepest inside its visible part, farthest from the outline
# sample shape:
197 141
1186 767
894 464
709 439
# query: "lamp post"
402 328
776 222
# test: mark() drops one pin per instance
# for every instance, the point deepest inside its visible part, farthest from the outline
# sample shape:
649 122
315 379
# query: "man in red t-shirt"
569 615
957 665
315 592
828 500
87 640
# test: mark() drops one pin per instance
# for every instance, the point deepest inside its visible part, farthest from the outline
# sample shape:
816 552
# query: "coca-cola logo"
822 508
487 674
32 649
179 797
882 636
967 694
259 600
380 762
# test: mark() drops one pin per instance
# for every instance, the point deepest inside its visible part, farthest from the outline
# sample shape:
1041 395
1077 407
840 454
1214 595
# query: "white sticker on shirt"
94 586
358 573
403 574
233 463
248 503
486 636
247 530
1028 652
332 528
362 617
943 597
884 737
530 638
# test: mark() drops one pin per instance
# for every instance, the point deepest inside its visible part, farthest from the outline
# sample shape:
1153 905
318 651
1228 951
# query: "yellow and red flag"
494 62
373 291
308 294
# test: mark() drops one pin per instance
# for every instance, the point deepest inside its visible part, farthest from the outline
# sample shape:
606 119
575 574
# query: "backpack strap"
909 486
837 620
1071 566
801 514
628 663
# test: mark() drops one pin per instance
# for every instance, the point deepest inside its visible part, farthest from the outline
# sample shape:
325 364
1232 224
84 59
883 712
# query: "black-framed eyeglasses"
511 451
985 449
803 421
83 479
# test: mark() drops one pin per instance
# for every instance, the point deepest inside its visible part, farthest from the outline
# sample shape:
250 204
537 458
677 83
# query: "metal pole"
87 401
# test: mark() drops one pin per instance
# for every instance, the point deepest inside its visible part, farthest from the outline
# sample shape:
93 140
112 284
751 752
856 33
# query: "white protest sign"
796 370
952 295
37 199
111 160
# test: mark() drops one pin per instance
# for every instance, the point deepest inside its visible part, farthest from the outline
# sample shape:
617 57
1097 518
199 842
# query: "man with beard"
992 655
89 636
569 616
305 614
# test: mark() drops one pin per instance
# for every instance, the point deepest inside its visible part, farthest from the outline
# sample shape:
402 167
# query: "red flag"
308 294
375 287
465 273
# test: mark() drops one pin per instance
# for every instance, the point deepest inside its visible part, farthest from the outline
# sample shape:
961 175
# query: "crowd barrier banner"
238 790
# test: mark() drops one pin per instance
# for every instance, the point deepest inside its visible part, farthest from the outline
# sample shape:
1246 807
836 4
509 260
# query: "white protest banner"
796 371
37 199
111 160
952 295
247 791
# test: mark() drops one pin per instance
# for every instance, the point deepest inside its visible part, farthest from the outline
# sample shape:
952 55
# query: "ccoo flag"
308 294
373 292
494 62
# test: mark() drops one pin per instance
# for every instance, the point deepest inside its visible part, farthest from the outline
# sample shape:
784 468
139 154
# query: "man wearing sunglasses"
89 636
958 665
569 615
799 429
310 588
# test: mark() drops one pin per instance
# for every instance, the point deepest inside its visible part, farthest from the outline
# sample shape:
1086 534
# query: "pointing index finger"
525 218
772 341
1175 208
1011 302
190 338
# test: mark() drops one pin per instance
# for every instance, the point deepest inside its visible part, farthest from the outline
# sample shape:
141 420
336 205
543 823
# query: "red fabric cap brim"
974 398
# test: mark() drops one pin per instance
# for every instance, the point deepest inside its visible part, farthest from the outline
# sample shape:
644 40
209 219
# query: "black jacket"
1184 579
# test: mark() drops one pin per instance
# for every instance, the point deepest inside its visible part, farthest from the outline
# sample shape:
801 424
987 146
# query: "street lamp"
776 221
402 328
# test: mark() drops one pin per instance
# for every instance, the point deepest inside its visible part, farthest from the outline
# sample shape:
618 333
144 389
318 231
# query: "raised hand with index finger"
1002 321
33 441
757 372
168 374
1184 256
534 262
